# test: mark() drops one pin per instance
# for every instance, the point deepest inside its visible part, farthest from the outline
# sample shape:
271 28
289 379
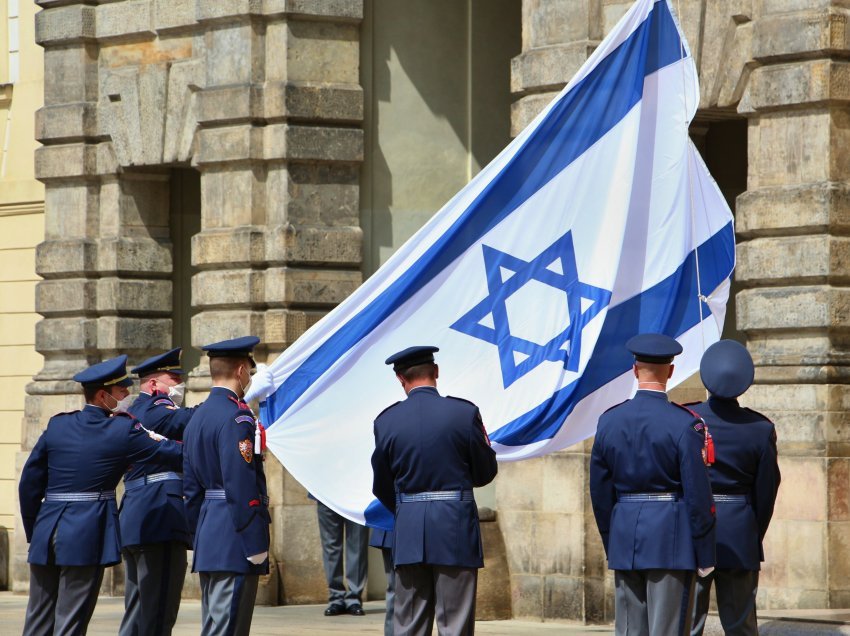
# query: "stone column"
280 244
105 258
794 265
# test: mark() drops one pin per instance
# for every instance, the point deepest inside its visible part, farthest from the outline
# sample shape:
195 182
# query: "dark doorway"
723 146
185 222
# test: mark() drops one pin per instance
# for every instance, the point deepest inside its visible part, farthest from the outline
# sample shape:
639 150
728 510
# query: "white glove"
258 558
704 572
156 436
262 384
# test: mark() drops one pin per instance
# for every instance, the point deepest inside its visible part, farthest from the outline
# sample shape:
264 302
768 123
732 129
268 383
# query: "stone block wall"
779 64
263 99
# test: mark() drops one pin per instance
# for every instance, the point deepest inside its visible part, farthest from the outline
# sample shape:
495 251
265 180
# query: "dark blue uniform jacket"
745 463
219 455
429 443
83 451
648 445
154 512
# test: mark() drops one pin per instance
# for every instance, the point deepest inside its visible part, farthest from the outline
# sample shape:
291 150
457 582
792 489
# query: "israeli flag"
598 222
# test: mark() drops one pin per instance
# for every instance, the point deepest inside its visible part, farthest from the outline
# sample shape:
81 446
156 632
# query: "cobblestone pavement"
298 620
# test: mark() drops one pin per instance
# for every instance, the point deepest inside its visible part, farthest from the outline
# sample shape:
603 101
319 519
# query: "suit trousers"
62 599
389 570
227 603
336 531
423 592
736 601
653 602
154 577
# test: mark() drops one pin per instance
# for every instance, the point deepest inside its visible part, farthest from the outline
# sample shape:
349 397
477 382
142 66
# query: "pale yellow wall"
21 229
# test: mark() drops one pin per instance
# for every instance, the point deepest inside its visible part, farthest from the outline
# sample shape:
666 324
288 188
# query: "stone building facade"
221 167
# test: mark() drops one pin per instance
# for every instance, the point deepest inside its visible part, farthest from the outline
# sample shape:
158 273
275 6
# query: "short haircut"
90 390
424 371
224 367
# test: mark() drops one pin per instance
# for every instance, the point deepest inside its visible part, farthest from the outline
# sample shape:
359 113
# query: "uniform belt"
104 495
633 497
435 495
722 498
132 484
220 496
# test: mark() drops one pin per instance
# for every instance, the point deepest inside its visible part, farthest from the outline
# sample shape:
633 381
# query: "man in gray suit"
336 531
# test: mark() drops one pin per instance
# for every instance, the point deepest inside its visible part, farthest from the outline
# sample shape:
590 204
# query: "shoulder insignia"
459 399
165 401
699 426
387 409
246 448
245 418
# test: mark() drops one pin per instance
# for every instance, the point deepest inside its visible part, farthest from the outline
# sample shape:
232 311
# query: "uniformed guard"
430 452
154 532
651 497
745 479
67 495
225 490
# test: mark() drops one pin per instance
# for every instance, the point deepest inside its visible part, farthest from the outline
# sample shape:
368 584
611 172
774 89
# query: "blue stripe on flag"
669 307
583 116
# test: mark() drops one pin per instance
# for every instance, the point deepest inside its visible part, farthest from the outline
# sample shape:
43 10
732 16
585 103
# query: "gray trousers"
389 570
425 591
227 603
154 577
62 599
736 601
336 531
653 602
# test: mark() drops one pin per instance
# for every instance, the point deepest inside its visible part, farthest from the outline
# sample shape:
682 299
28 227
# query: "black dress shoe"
356 610
334 609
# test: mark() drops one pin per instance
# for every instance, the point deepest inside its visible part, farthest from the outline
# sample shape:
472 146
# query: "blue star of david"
506 275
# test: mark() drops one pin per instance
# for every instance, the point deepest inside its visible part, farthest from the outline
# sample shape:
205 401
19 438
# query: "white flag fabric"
598 222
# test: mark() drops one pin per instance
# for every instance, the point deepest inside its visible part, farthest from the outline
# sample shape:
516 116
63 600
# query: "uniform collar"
653 393
722 402
93 408
223 390
424 389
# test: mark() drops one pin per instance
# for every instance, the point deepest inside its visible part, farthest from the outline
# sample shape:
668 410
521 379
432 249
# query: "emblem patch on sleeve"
246 448
245 418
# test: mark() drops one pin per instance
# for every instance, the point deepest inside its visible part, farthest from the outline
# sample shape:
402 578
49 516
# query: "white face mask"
244 388
122 405
176 392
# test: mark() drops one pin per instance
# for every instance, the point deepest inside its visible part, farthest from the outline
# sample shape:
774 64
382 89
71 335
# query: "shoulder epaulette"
65 413
747 408
690 411
387 409
615 406
459 399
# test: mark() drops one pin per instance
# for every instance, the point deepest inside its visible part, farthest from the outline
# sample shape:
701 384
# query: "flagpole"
700 297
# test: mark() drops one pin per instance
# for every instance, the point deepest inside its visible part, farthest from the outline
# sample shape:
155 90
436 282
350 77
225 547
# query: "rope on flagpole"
700 297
